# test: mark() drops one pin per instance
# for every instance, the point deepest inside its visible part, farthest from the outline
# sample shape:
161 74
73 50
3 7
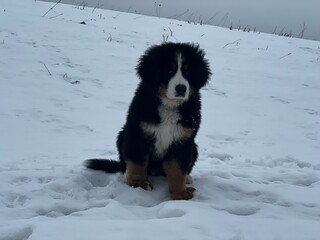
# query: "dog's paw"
145 184
186 194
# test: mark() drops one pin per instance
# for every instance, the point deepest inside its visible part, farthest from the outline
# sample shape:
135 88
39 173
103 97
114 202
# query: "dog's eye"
186 72
171 71
172 68
186 69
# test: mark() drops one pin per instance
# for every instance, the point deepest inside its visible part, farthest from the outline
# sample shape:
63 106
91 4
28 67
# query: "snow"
292 17
257 176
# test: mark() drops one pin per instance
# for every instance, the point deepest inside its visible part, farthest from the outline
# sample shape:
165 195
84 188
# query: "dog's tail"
109 166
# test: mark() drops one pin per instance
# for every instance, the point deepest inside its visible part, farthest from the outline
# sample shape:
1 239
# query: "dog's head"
174 70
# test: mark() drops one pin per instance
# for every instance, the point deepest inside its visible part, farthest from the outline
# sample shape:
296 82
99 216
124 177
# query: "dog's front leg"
177 181
136 175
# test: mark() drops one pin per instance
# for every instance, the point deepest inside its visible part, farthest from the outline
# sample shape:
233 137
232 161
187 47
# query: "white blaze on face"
176 80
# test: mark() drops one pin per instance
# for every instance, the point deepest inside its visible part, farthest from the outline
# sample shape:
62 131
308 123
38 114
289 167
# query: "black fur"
155 71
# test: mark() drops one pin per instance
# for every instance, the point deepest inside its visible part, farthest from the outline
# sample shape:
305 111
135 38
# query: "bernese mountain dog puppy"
158 138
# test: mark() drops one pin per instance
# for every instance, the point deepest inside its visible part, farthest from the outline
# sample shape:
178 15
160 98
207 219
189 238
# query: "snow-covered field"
64 92
294 17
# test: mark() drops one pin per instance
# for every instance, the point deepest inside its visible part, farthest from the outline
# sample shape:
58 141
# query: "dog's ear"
148 64
204 73
202 66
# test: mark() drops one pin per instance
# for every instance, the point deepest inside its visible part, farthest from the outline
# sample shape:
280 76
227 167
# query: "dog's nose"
180 90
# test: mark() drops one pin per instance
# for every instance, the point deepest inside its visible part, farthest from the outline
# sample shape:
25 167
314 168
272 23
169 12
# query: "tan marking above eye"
185 66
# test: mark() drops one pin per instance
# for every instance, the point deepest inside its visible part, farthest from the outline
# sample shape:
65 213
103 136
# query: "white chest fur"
168 131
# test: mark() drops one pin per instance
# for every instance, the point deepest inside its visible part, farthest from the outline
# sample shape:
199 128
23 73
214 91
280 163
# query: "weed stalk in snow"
47 69
51 8
285 55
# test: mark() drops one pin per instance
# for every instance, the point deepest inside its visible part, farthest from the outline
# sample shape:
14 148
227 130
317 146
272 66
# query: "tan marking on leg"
189 180
177 181
136 175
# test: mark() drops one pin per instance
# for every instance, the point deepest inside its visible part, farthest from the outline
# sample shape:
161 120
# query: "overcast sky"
286 16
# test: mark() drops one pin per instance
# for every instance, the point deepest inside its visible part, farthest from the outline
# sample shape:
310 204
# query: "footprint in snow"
16 234
312 111
13 200
170 212
280 100
242 210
